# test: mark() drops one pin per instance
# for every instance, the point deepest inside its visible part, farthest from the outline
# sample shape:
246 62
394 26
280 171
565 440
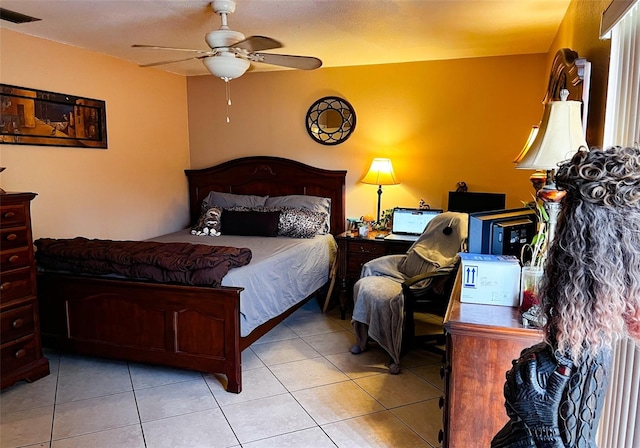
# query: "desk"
482 340
354 251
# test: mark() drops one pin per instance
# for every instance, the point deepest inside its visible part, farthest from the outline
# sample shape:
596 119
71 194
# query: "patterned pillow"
209 223
313 203
294 222
300 223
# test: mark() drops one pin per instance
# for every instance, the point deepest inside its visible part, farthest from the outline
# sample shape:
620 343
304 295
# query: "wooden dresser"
482 340
21 349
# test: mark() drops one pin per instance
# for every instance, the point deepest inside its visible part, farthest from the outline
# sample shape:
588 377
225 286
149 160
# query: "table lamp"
380 173
559 137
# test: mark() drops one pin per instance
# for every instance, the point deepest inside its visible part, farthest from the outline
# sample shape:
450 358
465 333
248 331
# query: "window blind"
620 424
622 125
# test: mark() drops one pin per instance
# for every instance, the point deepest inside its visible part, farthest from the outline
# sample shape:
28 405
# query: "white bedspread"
282 272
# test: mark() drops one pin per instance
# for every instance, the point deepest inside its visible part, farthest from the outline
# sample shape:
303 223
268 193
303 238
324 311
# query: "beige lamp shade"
380 173
528 143
559 137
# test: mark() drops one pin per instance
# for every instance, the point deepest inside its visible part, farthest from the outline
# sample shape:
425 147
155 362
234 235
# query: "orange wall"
134 189
580 31
440 122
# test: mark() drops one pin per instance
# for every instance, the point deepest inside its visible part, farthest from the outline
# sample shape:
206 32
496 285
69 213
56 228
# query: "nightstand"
354 251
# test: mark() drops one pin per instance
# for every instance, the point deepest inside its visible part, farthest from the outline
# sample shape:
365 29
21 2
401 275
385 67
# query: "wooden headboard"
269 176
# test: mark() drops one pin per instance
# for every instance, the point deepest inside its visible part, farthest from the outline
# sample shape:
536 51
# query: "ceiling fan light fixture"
226 66
231 53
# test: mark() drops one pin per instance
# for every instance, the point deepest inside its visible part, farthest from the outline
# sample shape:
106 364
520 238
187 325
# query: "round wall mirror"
330 120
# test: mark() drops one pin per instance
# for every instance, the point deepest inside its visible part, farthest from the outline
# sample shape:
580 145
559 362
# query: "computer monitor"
472 202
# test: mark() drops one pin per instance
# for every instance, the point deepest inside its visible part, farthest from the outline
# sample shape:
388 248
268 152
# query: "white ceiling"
340 32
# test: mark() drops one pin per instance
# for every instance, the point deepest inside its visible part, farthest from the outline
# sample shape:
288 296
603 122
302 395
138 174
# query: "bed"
184 326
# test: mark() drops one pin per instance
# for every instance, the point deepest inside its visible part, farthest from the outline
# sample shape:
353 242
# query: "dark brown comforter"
185 263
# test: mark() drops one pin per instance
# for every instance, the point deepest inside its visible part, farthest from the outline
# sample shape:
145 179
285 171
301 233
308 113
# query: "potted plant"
532 257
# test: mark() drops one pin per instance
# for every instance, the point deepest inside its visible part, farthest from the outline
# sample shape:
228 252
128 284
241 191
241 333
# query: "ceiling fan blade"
287 60
158 47
155 64
257 43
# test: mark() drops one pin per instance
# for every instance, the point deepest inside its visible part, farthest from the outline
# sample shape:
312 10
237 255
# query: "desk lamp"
380 173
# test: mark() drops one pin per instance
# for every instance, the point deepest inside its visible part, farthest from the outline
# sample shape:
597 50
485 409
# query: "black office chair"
432 300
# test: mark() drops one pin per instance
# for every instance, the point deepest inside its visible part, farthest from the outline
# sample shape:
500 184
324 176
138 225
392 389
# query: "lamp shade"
528 143
560 135
380 173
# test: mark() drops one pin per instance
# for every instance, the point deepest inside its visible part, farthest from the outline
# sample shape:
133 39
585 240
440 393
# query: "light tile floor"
301 388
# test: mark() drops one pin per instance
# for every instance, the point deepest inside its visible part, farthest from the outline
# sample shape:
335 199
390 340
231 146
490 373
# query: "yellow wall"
134 189
580 31
440 122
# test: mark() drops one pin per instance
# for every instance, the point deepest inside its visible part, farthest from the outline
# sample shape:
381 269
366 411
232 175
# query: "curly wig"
591 290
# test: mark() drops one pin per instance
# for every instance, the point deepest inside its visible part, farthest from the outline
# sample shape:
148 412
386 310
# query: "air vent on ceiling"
16 17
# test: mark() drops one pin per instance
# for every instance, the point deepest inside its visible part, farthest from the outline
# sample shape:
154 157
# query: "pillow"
313 203
209 223
250 223
300 223
230 200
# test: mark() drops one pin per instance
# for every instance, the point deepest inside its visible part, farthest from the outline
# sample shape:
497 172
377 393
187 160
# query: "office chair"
433 300
392 287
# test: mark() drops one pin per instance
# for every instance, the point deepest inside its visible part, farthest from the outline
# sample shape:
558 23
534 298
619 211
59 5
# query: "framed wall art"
38 117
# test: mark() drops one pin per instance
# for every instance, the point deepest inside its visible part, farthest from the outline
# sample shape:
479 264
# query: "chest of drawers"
20 347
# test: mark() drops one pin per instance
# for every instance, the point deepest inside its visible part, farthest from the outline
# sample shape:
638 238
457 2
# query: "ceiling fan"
231 54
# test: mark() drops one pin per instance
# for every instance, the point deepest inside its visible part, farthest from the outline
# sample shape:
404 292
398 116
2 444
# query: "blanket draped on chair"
185 263
379 302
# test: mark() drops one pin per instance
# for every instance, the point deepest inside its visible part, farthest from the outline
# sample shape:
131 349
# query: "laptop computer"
409 223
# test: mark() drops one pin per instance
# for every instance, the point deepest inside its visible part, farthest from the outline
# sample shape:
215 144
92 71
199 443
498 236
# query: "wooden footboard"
179 326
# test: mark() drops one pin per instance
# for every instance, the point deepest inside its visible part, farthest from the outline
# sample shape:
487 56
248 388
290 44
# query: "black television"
472 202
501 232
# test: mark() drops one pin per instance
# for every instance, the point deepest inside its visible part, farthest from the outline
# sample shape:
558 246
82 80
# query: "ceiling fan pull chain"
228 92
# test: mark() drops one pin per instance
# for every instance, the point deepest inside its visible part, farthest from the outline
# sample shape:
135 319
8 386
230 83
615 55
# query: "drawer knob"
8 215
13 258
5 286
20 353
11 237
18 323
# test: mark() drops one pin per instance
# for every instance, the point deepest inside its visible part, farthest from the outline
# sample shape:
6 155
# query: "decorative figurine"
423 205
461 187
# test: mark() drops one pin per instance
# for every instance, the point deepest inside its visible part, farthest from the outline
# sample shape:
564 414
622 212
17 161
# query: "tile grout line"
135 399
55 399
